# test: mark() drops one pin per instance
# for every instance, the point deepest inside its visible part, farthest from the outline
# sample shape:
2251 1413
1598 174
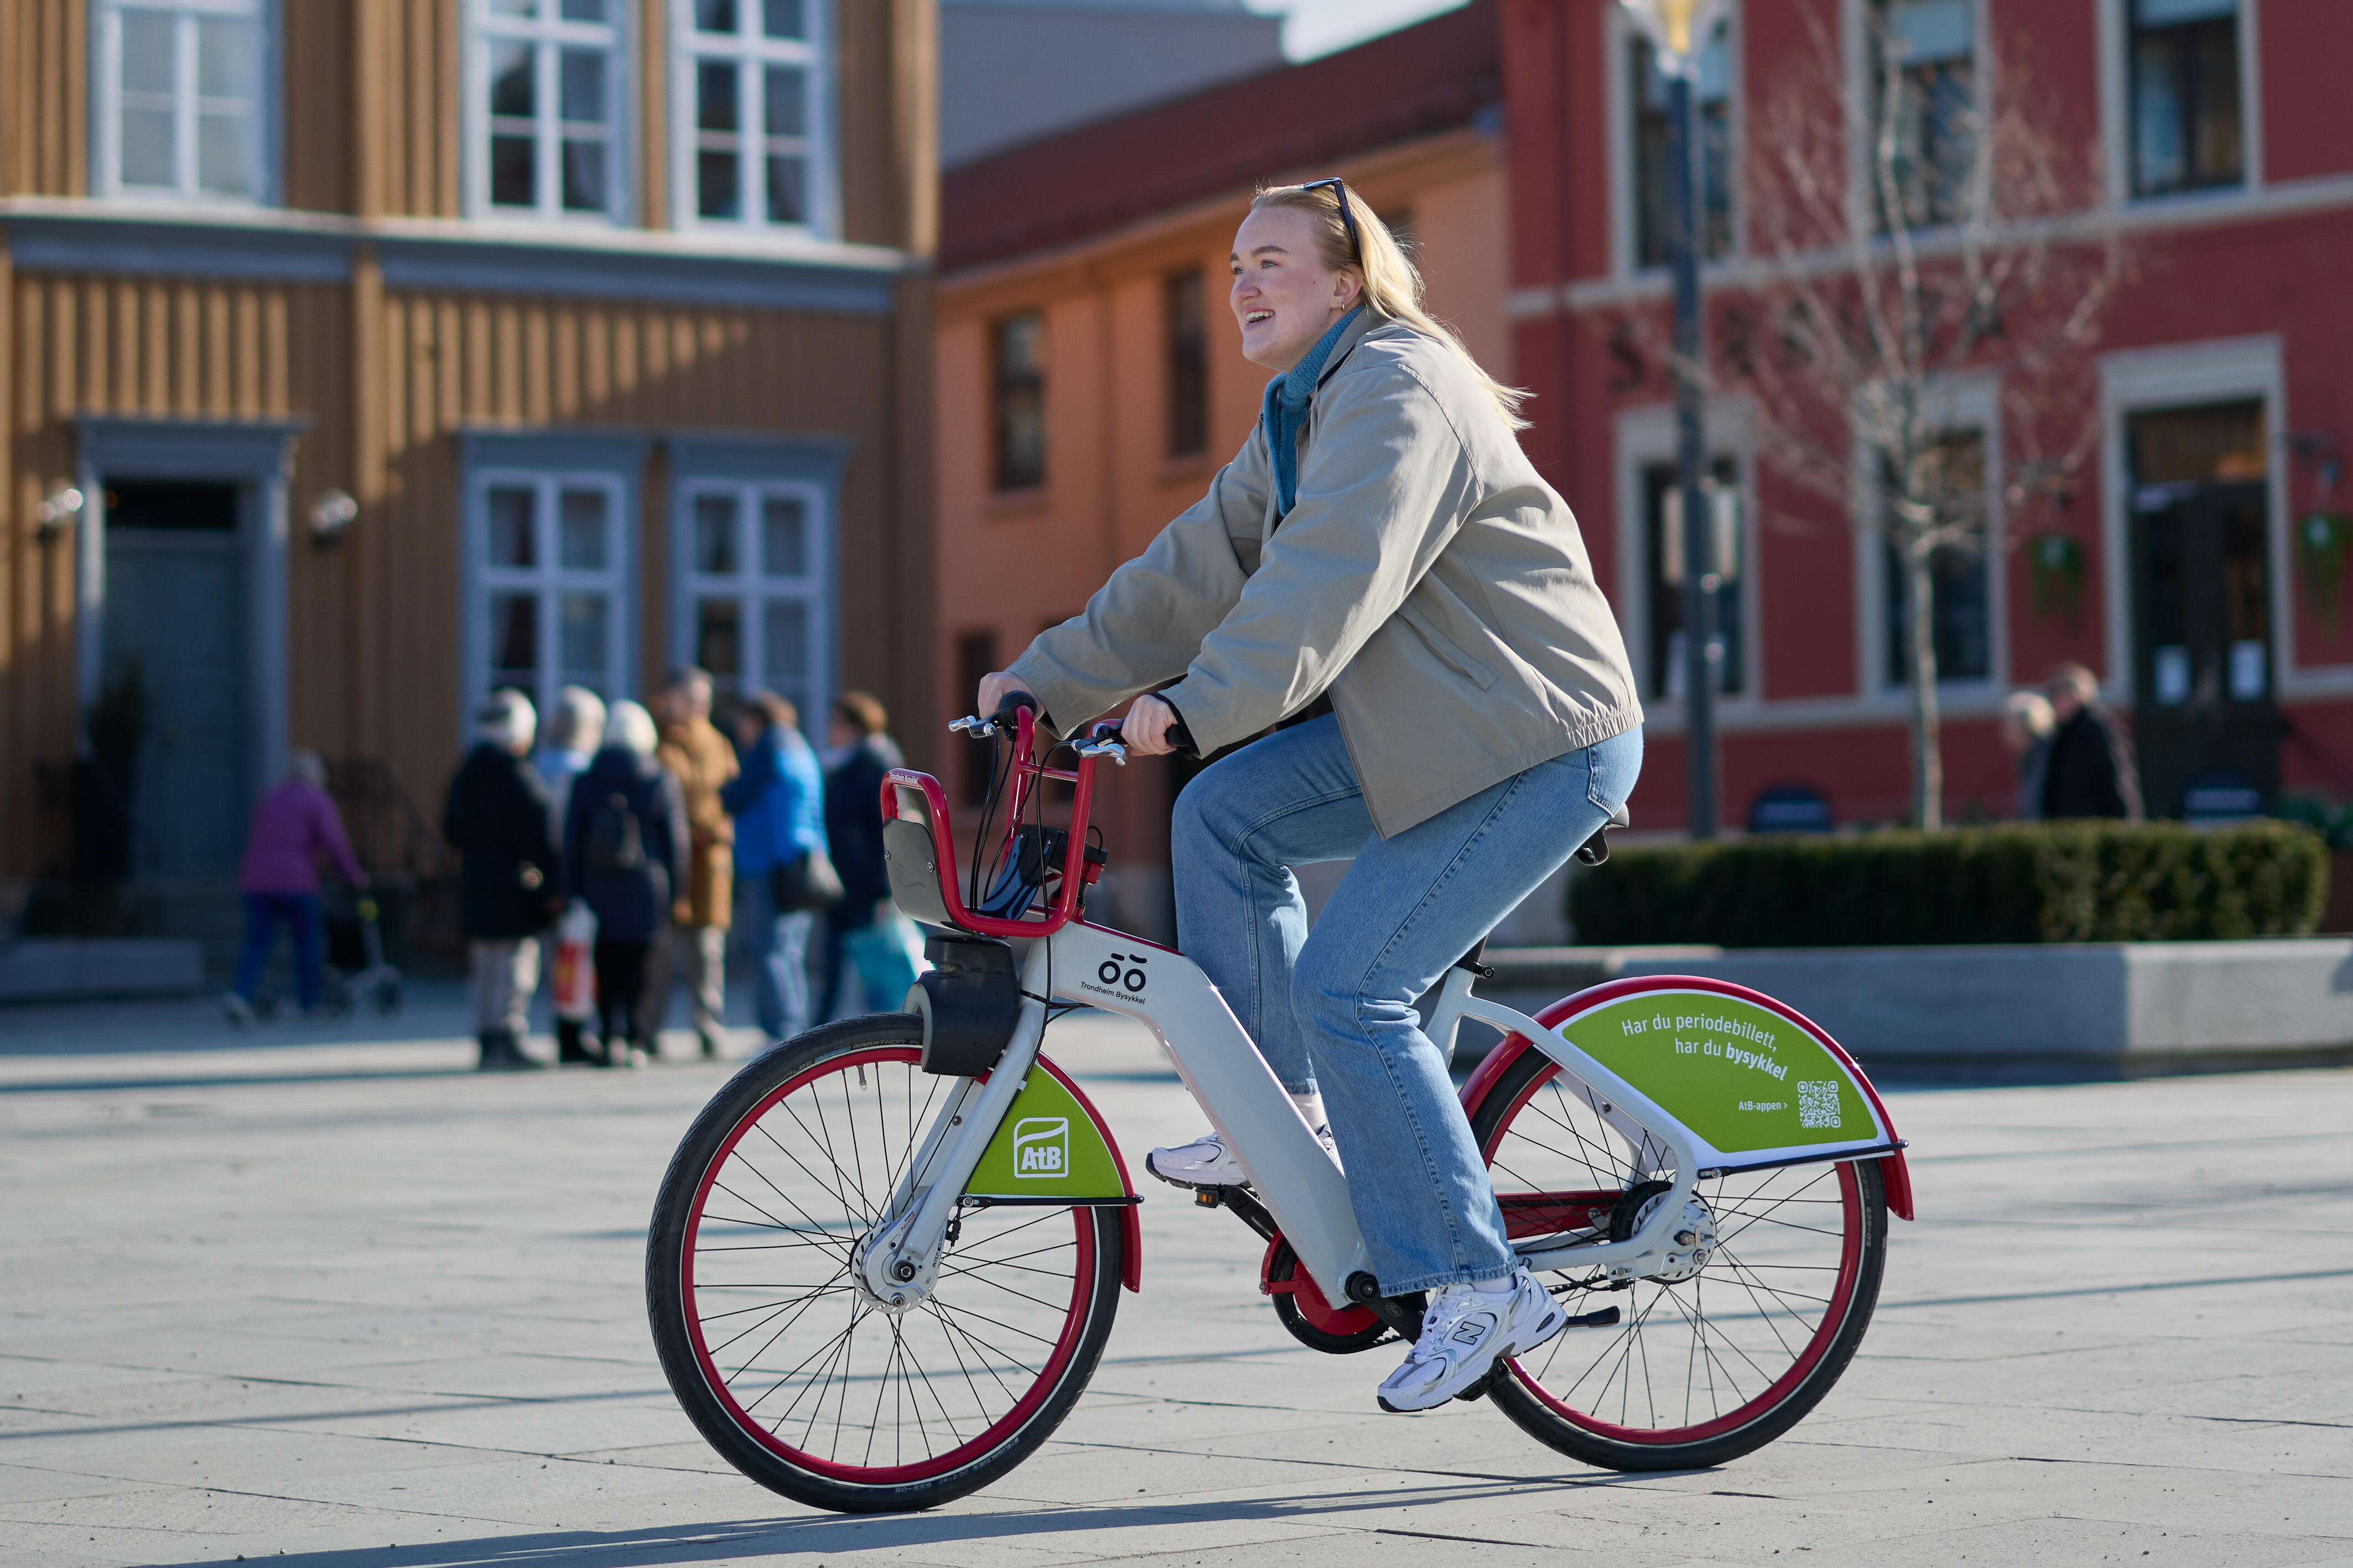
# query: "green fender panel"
1048 1146
1753 1085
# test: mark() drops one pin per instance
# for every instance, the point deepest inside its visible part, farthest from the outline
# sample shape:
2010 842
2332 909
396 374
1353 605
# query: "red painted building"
2199 565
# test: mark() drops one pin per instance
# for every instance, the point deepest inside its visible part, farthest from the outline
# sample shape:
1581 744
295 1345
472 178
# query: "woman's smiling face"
1283 296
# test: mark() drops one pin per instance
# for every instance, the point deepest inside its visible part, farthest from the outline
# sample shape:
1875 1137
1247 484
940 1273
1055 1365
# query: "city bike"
886 1257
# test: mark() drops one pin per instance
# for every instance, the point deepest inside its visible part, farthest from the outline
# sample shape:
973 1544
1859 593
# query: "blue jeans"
263 911
1334 1008
777 946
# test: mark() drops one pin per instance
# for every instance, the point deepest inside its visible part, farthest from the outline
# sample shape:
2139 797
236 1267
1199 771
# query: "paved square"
321 1295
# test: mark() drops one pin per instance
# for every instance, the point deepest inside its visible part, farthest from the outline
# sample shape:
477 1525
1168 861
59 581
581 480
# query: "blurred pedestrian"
779 803
575 730
626 851
293 824
2026 725
863 932
510 880
2091 771
574 733
702 759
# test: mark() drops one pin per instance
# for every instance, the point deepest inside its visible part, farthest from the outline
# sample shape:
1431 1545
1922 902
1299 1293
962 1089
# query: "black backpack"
616 845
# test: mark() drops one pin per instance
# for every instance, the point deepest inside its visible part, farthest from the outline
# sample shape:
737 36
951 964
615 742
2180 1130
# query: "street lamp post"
1678 30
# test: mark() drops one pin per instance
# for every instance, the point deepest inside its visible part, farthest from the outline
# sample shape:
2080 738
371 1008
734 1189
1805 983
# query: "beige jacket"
700 757
1427 578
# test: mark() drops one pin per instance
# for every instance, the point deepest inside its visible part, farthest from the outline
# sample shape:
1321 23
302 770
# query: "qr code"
1818 1104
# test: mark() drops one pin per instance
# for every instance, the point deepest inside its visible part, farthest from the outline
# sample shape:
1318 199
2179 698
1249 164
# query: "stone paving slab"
335 1298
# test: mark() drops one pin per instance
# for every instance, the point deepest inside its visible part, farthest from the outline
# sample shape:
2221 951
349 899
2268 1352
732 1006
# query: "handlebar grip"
1013 701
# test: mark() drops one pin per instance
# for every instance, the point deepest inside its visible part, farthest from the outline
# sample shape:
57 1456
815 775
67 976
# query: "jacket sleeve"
535 828
1386 484
807 812
674 827
1145 624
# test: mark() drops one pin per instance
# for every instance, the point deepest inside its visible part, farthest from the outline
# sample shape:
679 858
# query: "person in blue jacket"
778 804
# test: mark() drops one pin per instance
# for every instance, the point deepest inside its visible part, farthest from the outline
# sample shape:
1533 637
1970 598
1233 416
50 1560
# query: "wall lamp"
58 513
331 514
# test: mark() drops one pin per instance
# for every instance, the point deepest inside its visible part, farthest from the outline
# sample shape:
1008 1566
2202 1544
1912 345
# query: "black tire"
973 1406
1667 1386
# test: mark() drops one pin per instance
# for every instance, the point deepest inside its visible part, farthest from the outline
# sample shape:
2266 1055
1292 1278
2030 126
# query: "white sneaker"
1463 1334
1203 1163
236 1010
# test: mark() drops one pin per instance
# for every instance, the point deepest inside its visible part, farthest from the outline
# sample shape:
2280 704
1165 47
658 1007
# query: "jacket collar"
1367 319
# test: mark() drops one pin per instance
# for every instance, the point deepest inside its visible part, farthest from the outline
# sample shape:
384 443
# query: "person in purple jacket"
293 824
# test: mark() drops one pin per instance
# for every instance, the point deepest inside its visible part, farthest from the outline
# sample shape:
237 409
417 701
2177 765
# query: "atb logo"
1130 979
1041 1146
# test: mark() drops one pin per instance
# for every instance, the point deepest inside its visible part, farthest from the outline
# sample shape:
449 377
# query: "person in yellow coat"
700 759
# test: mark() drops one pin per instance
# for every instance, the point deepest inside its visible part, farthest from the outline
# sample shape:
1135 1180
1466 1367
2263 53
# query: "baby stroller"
355 969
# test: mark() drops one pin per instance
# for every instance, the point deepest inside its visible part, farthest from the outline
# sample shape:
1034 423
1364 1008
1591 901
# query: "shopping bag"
575 972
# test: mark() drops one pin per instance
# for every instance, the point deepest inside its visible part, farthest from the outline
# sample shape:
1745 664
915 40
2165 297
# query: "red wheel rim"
1043 1379
1527 1214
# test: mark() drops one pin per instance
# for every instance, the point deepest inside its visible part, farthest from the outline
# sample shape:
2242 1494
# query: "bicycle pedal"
1479 1390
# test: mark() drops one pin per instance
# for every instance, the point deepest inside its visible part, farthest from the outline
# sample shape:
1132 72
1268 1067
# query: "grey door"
174 620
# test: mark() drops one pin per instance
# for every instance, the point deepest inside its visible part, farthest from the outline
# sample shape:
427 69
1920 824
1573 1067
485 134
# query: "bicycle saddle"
1596 849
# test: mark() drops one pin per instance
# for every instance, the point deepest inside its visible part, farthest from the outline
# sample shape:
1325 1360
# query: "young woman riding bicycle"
1382 574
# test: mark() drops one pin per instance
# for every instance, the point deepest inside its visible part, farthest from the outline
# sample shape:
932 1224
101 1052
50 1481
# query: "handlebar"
1102 742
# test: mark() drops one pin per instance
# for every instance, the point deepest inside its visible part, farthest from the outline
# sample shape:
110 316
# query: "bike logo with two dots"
1131 980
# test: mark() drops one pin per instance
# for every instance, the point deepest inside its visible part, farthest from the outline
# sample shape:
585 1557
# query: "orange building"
365 356
1089 379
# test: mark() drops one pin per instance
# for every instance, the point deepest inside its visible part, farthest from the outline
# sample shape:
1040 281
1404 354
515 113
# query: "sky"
1319 27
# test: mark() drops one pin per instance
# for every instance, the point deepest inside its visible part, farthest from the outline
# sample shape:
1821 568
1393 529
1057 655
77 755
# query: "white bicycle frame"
1295 1177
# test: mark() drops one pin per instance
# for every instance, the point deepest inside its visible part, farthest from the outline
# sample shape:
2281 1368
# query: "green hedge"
2071 882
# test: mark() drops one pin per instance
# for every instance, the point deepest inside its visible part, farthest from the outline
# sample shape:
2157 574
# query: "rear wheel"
795 1374
1700 1369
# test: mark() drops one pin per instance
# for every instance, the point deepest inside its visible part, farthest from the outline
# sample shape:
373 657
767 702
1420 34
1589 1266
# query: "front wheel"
1699 1368
795 1374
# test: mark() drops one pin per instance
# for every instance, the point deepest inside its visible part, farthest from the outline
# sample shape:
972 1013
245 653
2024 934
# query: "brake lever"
981 729
1104 742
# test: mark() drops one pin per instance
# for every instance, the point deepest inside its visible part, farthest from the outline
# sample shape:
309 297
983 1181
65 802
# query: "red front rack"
912 796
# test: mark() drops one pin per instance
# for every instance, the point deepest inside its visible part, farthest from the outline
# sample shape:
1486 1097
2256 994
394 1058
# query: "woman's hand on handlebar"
1145 730
994 689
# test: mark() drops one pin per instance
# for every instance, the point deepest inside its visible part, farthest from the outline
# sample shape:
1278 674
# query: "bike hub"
1690 1243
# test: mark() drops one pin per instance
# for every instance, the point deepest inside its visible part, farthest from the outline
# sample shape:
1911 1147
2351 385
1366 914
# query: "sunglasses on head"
1340 189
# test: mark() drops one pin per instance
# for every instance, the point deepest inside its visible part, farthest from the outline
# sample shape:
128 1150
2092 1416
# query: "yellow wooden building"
365 356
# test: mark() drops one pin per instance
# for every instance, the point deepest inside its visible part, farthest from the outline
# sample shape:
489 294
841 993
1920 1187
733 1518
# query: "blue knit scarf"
1286 411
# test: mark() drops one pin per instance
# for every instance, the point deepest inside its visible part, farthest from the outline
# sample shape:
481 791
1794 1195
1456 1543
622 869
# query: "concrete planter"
2127 1006
65 968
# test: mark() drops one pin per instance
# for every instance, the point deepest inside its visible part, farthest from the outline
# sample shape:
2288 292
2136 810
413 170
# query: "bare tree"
1932 226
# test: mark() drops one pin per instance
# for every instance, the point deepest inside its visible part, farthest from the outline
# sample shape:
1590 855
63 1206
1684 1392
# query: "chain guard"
1312 1319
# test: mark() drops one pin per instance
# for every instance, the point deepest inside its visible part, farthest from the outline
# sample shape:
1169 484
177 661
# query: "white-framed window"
1931 47
1960 585
2186 117
1641 171
1650 555
181 103
546 584
754 606
753 114
544 111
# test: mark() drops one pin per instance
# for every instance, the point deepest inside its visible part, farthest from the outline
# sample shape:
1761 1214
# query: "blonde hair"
1392 283
629 727
2031 711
